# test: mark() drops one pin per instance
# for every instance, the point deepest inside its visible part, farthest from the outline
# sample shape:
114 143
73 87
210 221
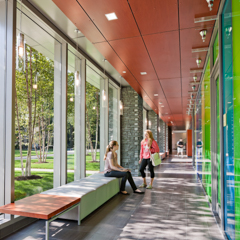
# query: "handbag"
155 158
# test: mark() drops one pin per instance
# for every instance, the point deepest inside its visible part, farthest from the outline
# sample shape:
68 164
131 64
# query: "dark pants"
143 165
125 176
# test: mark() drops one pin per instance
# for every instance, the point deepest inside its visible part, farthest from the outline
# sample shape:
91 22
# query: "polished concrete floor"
176 208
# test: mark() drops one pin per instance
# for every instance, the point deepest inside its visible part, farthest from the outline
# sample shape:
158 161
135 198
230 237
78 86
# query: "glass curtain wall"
113 113
236 107
203 132
198 133
34 108
93 108
71 116
144 121
228 121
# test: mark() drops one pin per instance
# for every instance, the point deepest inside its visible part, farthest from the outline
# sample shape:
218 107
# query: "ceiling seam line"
180 55
110 45
148 54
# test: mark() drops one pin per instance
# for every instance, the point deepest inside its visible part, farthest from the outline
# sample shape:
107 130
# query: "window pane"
92 121
34 110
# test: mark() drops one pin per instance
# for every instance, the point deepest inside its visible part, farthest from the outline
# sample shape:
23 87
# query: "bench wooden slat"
41 206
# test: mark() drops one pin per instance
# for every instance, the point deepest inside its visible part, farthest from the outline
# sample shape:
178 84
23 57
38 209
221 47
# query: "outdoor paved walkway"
175 209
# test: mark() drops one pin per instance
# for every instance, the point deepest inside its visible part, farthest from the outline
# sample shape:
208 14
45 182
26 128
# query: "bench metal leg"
79 215
47 230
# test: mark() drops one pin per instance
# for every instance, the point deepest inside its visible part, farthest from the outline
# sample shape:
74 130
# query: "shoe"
138 192
143 185
124 193
149 186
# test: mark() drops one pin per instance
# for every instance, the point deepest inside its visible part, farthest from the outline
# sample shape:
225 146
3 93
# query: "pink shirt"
144 153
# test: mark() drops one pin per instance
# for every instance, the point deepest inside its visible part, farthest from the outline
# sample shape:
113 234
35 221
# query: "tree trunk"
48 139
89 136
19 133
39 140
43 134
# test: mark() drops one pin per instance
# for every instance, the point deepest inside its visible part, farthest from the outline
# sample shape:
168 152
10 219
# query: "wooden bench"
43 206
88 194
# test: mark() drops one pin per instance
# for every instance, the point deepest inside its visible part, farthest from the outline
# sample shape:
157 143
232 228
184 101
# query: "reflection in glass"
113 113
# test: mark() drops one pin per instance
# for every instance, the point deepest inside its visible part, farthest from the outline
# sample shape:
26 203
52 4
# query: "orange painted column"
189 143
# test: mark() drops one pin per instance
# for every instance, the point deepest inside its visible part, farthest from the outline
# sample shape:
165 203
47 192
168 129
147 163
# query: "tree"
92 117
34 107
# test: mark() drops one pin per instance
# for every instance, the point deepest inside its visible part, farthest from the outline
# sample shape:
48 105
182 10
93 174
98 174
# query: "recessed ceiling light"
111 16
124 71
155 95
162 106
160 102
143 73
77 31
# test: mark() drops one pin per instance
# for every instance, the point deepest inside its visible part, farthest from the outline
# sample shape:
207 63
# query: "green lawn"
24 153
30 187
91 166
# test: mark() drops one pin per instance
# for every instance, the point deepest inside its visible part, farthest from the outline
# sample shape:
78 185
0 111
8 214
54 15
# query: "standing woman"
113 169
148 144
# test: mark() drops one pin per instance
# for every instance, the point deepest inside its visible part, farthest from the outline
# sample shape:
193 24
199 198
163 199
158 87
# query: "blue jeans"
125 176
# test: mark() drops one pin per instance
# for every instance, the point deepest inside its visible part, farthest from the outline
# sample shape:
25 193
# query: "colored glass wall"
215 49
218 143
206 131
228 121
236 108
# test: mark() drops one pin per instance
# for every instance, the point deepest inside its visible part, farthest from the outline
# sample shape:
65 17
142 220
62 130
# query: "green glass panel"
215 49
236 107
218 144
206 131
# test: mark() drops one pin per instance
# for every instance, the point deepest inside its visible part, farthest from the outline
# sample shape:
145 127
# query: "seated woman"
113 169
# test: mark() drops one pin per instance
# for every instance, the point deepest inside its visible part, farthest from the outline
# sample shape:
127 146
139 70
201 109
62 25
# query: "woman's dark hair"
109 148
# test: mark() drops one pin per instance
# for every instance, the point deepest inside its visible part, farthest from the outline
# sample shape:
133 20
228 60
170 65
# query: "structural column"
131 129
153 118
7 99
80 135
103 121
162 138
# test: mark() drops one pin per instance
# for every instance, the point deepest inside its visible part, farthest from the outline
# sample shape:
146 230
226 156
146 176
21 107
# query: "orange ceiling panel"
146 38
190 9
164 51
123 27
80 19
135 56
175 105
172 87
155 16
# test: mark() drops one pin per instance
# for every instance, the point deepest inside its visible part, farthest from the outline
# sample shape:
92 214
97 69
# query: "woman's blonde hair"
109 148
150 140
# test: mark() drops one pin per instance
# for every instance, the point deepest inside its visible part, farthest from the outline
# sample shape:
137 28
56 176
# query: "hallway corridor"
176 208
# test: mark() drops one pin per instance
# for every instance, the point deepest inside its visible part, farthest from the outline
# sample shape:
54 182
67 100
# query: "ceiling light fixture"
210 4
155 95
111 16
203 34
198 61
143 73
162 106
124 71
77 31
160 102
194 78
193 87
